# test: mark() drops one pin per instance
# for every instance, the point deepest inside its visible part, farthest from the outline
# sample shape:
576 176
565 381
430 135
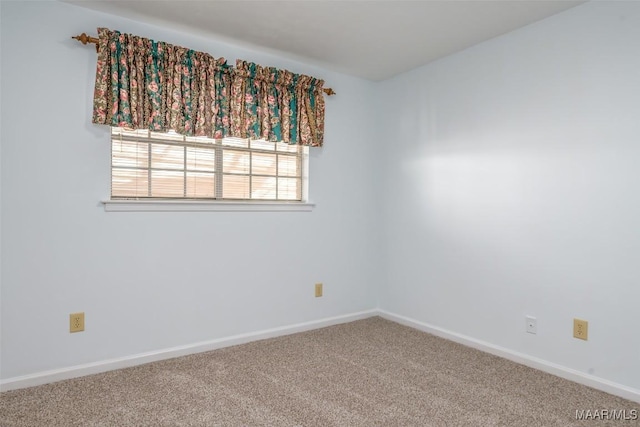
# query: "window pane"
129 183
117 132
167 156
289 188
236 142
167 184
263 164
235 161
288 165
168 136
261 144
263 188
199 140
235 187
130 154
287 148
201 185
201 159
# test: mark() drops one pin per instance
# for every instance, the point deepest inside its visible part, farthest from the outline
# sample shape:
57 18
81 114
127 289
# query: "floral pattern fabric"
144 84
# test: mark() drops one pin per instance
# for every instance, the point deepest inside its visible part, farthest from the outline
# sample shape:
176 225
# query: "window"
151 165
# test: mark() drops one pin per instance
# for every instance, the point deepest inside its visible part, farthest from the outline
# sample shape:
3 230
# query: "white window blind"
152 165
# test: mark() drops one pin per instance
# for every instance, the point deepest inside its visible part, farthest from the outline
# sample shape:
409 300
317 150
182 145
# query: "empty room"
319 213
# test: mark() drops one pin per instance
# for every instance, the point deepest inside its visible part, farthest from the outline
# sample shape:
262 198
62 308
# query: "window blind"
152 165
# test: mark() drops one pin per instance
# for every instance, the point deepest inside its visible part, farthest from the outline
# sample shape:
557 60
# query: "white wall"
514 189
150 281
504 184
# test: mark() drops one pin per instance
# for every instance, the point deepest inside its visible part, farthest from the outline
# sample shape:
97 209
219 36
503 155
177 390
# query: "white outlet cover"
531 325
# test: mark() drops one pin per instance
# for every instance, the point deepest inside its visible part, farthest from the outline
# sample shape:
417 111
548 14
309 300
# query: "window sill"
203 206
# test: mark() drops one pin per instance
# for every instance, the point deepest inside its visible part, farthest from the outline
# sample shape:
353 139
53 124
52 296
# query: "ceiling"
374 40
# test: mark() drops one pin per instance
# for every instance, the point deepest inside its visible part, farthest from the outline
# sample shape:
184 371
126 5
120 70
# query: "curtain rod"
84 39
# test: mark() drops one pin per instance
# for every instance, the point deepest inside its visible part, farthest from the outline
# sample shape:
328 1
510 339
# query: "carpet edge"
54 375
567 373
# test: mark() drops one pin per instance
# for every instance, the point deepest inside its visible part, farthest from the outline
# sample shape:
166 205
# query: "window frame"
167 204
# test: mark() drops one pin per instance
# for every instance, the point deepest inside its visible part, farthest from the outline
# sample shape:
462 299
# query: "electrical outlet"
531 325
318 290
76 322
580 329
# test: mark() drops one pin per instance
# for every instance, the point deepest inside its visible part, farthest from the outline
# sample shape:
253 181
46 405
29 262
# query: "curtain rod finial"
329 91
84 39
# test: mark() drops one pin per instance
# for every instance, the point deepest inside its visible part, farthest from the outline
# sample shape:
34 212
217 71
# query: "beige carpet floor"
371 372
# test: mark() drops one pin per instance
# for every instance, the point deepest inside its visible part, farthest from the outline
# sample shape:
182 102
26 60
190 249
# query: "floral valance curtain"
144 84
276 105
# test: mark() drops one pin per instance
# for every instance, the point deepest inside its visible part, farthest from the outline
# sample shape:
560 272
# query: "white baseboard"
524 359
142 358
45 377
